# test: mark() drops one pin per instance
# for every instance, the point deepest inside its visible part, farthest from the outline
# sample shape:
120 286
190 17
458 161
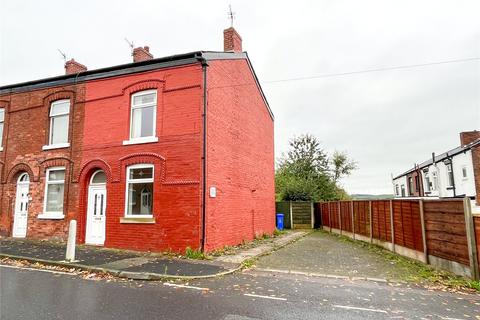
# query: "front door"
97 201
21 208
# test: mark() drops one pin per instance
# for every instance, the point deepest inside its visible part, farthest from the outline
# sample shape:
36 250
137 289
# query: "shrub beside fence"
443 233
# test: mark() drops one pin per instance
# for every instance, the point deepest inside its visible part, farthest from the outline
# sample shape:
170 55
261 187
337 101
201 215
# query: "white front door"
21 211
97 202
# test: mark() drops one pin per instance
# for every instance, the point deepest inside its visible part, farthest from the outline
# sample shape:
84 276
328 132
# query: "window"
2 120
59 118
397 191
98 177
464 172
139 191
54 192
143 117
403 190
427 182
449 175
435 181
410 186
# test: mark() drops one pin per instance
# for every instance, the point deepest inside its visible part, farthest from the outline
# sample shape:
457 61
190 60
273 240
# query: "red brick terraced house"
157 154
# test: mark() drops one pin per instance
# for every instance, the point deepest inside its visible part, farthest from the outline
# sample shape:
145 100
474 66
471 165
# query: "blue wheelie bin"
280 221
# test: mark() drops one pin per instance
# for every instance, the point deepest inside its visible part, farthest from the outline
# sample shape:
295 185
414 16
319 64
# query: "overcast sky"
385 120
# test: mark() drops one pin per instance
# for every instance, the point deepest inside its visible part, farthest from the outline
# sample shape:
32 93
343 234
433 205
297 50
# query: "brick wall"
176 157
26 132
240 157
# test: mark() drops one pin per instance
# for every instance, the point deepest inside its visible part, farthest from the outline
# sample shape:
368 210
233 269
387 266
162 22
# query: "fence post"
330 216
471 241
392 229
340 216
353 220
424 235
370 218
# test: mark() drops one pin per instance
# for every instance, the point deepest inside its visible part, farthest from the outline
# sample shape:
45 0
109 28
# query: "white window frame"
427 181
127 183
435 180
52 214
2 122
449 171
50 146
149 139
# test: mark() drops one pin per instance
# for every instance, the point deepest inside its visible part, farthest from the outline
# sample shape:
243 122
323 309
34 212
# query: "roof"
441 157
157 63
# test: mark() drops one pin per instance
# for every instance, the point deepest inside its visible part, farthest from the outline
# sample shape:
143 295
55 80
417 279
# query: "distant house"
156 154
455 173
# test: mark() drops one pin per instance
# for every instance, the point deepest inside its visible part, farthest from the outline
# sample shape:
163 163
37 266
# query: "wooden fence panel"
445 230
301 214
362 221
324 206
381 220
346 214
334 215
407 224
476 223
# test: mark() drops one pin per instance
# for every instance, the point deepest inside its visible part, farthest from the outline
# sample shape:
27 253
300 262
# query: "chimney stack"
468 137
141 54
232 40
73 66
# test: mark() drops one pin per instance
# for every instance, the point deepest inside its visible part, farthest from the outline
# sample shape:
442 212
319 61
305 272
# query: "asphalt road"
32 294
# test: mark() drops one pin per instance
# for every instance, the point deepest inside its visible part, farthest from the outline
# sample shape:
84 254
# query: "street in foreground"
36 294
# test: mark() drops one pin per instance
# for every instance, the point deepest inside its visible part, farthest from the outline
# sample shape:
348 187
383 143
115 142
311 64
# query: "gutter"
204 63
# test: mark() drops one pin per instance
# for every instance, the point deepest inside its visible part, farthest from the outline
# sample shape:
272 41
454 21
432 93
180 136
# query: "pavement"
137 265
247 295
324 254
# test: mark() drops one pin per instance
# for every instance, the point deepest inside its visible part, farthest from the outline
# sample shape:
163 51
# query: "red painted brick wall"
26 131
240 157
177 157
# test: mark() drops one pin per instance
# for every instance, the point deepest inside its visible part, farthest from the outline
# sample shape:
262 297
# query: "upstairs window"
435 181
427 182
59 118
410 186
449 175
2 120
143 115
397 192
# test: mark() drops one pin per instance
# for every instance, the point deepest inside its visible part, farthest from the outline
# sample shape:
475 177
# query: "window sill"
138 220
140 141
1 148
51 216
56 146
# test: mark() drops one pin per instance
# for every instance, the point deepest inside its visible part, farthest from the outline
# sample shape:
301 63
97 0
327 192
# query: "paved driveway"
323 253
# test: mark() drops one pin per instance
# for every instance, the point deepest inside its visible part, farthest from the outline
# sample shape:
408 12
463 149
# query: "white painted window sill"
138 219
140 140
56 146
1 148
51 216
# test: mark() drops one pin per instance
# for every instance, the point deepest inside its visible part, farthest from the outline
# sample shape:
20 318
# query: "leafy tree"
306 173
342 165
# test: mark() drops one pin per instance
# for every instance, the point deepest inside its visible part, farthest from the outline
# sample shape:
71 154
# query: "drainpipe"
204 63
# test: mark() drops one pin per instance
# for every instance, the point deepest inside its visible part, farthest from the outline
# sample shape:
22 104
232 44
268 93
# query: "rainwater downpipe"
204 63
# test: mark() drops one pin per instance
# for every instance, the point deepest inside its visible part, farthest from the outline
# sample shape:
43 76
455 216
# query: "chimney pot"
73 66
232 40
142 54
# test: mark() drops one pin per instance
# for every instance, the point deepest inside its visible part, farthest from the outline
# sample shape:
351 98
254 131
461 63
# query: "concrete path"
324 254
138 265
